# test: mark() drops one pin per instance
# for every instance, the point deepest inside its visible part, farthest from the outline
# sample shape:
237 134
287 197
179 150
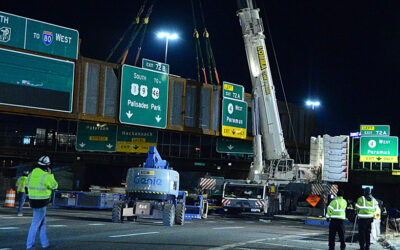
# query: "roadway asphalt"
90 229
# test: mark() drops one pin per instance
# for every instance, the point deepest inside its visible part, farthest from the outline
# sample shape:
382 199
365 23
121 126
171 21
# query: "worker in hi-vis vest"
40 184
366 208
336 214
21 195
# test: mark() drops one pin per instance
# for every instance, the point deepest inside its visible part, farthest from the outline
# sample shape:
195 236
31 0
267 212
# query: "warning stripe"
318 189
260 203
226 202
148 192
208 183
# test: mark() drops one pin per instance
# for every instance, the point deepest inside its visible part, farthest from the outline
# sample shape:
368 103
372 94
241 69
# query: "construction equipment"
73 199
153 192
269 174
196 207
241 196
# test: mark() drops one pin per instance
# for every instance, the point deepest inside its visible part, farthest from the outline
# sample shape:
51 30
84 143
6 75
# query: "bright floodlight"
313 104
167 35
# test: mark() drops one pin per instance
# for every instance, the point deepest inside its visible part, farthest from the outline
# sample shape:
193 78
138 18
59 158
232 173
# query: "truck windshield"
243 191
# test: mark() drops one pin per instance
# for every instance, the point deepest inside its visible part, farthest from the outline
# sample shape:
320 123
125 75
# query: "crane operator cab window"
285 165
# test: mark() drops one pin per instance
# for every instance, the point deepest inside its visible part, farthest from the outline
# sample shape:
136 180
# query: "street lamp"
167 36
313 104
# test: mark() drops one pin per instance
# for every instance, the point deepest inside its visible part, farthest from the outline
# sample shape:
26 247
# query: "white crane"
265 108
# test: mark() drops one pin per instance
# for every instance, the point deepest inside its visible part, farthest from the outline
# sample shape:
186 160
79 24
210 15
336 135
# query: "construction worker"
21 195
40 184
336 214
366 208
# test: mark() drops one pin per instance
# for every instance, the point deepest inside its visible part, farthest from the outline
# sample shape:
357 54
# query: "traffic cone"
10 198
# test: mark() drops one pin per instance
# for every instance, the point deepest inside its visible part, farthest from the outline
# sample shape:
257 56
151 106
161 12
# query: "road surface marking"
125 235
96 224
249 222
236 245
290 246
56 225
13 217
221 228
8 228
240 244
157 222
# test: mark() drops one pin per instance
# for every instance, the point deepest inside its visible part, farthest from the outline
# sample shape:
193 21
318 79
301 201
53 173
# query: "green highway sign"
234 118
234 91
156 66
96 137
225 145
26 33
144 97
135 140
36 81
379 149
379 130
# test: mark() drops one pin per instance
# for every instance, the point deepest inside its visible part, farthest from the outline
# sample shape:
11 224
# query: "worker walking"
336 214
366 208
21 195
40 184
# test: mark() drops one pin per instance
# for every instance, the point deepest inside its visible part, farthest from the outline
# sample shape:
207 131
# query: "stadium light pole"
167 36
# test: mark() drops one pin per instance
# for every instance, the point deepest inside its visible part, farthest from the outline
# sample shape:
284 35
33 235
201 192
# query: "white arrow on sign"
158 118
82 144
230 147
109 146
129 114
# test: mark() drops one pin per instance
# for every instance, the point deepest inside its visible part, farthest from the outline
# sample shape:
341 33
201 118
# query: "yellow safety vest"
366 209
21 184
337 209
40 184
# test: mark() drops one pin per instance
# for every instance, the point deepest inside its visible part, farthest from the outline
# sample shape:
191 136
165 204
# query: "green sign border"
377 138
27 19
145 59
361 131
225 152
108 151
52 59
234 84
223 123
166 100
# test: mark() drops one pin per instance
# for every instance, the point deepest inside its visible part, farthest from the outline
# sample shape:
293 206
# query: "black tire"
169 215
180 214
117 212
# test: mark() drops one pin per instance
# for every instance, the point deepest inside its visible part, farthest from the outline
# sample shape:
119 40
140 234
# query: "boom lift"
153 192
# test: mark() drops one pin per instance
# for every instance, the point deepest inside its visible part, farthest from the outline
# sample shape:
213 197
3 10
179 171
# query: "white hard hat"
44 161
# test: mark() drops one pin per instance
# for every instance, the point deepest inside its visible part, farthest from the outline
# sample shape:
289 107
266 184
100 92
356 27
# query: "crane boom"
263 93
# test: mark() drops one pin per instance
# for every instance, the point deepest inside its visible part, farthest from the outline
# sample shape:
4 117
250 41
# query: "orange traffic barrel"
10 198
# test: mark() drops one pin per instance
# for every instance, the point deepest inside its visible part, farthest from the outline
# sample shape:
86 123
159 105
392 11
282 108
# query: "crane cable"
198 48
144 23
283 89
133 24
209 52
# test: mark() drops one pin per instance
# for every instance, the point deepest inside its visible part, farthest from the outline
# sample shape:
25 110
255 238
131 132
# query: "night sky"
345 53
